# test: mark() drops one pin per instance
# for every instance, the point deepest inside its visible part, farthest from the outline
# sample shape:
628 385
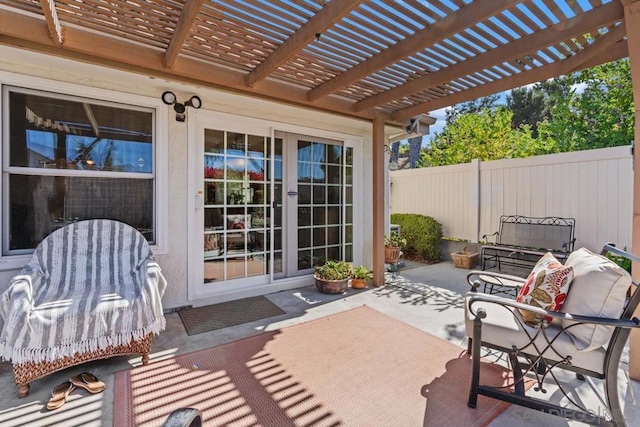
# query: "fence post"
474 200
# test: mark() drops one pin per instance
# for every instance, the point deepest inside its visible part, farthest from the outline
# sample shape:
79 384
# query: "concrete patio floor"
428 297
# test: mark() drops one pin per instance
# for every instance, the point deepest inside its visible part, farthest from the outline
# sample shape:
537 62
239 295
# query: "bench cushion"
599 289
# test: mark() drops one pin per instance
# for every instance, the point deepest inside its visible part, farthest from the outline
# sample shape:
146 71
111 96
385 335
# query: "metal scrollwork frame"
499 252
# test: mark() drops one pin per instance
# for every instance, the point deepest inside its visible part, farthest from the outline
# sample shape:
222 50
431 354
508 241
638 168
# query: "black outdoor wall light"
169 98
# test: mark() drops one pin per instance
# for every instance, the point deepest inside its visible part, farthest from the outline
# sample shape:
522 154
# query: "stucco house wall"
173 259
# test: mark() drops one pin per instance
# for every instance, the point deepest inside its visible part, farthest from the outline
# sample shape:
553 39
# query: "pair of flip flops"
84 380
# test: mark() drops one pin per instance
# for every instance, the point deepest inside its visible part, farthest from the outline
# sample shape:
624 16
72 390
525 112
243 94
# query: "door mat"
355 368
218 316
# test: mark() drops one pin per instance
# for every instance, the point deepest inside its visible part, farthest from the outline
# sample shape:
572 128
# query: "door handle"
199 200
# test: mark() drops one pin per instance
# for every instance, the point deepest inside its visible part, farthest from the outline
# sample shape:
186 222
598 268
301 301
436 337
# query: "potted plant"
332 277
393 244
360 277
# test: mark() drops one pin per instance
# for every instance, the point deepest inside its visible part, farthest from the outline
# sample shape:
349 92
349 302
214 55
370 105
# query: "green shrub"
423 235
623 262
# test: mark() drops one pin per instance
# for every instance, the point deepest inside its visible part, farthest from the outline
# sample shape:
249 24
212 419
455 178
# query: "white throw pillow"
599 289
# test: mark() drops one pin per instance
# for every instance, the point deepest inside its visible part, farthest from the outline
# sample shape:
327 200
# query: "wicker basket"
464 259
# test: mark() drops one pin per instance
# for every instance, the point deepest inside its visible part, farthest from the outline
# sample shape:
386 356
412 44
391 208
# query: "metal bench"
522 240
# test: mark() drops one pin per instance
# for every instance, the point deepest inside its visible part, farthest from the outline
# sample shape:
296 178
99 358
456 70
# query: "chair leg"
469 345
23 390
613 399
475 358
518 378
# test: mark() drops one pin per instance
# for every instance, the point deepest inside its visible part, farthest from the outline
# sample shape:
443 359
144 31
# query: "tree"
485 135
415 144
475 106
600 114
592 108
412 150
530 106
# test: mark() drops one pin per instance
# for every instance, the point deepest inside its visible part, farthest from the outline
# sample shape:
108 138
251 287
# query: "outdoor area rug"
355 368
218 316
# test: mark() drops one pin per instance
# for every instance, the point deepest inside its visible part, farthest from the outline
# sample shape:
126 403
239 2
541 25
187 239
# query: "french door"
236 214
267 208
318 202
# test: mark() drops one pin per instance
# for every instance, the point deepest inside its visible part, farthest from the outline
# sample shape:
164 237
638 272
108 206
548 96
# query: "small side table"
499 285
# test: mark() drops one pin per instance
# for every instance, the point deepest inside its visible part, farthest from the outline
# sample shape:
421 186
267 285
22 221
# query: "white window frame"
160 141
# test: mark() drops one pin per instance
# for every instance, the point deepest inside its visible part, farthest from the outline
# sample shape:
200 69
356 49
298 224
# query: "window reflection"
57 133
79 139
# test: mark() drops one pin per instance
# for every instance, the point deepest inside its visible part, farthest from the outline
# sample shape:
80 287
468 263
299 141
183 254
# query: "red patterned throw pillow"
546 287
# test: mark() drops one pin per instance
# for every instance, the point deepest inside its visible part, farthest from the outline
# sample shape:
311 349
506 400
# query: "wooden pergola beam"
325 18
430 35
584 59
53 23
378 197
632 25
189 13
581 24
31 33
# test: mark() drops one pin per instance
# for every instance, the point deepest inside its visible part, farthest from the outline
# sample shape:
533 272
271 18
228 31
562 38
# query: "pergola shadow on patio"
426 297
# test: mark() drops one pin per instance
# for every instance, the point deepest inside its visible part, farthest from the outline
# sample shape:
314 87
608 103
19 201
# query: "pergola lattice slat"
373 56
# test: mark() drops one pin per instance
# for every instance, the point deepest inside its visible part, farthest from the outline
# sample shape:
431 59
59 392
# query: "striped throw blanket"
89 285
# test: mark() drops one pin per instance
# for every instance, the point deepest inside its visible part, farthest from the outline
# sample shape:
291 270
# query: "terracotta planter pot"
391 254
331 286
358 283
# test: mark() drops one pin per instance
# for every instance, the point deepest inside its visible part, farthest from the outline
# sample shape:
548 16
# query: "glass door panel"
319 203
236 205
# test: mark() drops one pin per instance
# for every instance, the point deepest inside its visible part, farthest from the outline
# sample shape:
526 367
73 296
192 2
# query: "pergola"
385 61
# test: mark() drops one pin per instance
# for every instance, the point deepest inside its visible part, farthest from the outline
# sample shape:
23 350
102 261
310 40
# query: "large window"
68 159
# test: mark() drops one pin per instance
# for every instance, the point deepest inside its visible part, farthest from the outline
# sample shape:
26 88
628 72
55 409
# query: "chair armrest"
154 274
475 280
617 323
152 286
495 235
184 417
18 298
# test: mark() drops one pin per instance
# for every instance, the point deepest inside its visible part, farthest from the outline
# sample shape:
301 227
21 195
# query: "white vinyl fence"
595 187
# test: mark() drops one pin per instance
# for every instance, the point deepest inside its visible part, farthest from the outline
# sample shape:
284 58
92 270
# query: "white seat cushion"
599 289
505 327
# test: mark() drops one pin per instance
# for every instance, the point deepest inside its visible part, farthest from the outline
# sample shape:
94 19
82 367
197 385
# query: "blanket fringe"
23 355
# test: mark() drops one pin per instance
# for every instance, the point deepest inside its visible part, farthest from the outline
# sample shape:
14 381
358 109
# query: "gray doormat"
219 316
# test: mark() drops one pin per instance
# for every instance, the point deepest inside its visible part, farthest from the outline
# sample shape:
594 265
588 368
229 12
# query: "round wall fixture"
169 97
194 102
